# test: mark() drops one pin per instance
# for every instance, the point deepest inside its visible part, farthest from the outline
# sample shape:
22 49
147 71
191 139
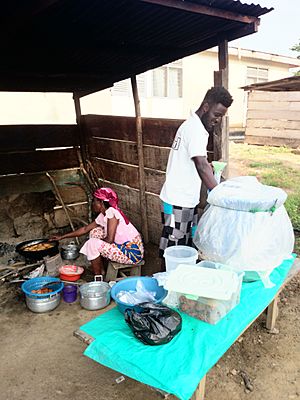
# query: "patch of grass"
274 166
297 245
292 206
259 151
284 177
268 165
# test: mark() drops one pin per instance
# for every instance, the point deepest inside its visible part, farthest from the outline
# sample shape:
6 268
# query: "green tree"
296 48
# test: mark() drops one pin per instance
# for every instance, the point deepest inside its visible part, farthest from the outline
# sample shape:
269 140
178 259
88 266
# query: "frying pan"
39 254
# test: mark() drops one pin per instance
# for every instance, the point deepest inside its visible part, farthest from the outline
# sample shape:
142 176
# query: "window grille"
256 75
167 80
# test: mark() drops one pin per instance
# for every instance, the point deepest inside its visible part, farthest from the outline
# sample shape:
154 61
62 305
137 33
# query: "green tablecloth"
177 367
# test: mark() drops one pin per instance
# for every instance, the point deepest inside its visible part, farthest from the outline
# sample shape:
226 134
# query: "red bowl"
70 273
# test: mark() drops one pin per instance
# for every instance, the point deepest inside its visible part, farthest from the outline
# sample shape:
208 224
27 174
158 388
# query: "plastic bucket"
69 293
175 255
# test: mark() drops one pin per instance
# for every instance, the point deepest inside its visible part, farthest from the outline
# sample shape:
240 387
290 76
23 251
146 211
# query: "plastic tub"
127 284
175 255
69 293
209 309
70 273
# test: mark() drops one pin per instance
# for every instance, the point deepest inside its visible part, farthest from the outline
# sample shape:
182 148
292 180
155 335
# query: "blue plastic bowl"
127 284
38 283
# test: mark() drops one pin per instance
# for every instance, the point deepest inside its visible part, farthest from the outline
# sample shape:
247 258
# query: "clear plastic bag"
246 227
140 295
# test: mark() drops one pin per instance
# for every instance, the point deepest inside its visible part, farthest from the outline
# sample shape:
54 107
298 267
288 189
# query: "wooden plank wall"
273 118
112 148
23 163
20 148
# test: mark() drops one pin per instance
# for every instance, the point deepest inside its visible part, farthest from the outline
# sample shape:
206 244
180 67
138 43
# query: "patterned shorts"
179 225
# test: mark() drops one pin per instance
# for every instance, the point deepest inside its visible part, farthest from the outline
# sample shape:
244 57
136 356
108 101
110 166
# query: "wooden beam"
221 137
36 161
200 391
272 313
205 10
18 138
223 59
139 134
82 139
36 182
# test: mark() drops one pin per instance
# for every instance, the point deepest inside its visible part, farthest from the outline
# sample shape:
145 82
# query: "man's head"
214 106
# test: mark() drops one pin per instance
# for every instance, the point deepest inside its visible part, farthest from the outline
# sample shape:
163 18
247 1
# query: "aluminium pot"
41 305
94 295
69 251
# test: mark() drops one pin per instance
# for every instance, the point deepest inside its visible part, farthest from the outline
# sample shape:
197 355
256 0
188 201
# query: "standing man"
188 167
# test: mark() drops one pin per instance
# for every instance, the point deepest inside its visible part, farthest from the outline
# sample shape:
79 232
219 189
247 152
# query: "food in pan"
38 247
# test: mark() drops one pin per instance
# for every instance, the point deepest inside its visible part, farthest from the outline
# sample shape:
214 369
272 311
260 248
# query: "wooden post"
200 391
272 313
139 135
221 137
223 61
83 149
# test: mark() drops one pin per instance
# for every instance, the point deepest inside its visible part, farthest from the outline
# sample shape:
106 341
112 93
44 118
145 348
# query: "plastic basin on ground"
129 284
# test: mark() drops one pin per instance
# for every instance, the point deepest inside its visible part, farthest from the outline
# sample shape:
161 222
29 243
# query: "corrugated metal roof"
291 84
74 45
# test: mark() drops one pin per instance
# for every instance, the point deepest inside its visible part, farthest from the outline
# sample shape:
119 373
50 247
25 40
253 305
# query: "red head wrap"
107 194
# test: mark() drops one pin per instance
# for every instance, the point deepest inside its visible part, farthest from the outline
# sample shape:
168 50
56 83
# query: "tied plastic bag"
246 227
141 295
154 324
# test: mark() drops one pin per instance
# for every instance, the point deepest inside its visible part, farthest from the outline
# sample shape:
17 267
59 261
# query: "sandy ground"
41 359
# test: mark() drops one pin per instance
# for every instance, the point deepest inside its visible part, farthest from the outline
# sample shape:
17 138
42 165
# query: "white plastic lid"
205 282
246 193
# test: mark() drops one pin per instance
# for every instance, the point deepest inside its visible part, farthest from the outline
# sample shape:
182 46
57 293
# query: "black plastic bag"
154 324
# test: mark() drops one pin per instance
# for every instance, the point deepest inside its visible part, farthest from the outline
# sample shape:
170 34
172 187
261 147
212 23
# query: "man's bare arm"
205 172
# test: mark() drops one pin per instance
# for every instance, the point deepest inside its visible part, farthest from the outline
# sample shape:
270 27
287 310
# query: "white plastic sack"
252 240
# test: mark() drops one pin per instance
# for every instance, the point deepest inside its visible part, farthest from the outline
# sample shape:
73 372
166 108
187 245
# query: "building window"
167 80
123 88
256 75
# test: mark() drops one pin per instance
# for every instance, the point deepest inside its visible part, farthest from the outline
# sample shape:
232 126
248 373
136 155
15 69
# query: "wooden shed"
84 46
273 115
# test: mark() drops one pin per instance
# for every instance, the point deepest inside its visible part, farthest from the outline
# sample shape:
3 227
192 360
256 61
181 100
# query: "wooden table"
272 314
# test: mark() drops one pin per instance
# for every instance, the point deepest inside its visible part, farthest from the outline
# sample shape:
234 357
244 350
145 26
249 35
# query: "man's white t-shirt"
183 184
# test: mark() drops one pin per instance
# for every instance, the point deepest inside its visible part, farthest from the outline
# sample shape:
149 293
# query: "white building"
169 91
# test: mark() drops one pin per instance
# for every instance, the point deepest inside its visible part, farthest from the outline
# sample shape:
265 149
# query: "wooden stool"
125 270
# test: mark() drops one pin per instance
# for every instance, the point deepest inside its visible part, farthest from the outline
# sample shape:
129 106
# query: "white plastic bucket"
176 255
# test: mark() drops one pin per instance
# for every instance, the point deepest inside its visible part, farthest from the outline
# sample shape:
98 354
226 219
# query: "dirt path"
40 358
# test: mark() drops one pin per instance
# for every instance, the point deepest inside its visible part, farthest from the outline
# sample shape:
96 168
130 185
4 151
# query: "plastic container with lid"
176 255
207 291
